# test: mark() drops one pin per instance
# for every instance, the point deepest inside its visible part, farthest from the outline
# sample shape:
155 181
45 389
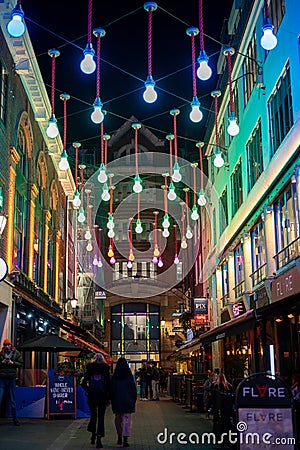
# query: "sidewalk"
150 420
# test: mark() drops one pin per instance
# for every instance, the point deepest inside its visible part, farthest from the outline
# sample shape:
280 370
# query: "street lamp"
73 302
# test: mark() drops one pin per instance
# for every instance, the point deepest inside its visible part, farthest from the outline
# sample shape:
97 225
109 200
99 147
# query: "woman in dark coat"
123 399
96 382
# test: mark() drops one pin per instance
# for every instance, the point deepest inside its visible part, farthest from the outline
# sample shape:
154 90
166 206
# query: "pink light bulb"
112 260
154 260
176 260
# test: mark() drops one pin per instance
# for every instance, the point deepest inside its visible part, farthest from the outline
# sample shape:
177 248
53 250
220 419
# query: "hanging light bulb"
233 129
172 194
176 177
89 247
88 64
52 130
218 161
129 265
194 215
111 233
268 40
105 193
76 199
137 187
131 255
166 222
81 215
156 251
87 235
100 263
155 260
16 26
95 261
189 233
110 222
204 71
138 227
63 163
110 252
196 114
102 177
201 199
160 262
176 260
183 243
112 260
166 233
150 94
97 115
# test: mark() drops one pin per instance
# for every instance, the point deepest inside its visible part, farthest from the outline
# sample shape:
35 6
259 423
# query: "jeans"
97 410
155 389
7 387
143 389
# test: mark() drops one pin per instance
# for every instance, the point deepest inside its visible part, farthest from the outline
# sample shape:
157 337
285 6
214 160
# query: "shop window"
19 232
239 265
276 12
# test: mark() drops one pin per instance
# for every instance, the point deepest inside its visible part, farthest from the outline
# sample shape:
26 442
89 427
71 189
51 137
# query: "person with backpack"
96 383
123 399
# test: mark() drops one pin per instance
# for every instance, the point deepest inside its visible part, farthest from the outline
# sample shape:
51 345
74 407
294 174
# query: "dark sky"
124 49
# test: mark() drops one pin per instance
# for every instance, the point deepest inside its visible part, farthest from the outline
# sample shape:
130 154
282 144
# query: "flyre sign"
263 390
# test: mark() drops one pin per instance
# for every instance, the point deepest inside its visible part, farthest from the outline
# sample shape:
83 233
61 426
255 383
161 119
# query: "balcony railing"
225 301
288 254
259 275
239 289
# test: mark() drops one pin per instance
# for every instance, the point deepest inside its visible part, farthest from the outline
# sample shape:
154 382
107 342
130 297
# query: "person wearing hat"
10 360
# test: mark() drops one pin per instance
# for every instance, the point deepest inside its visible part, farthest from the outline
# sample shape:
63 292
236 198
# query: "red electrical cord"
201 25
150 42
216 121
194 65
90 9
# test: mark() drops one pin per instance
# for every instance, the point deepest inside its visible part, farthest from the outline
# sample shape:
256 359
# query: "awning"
94 348
185 349
234 326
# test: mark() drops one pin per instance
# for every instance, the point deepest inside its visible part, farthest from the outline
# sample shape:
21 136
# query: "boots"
119 442
93 438
125 441
99 443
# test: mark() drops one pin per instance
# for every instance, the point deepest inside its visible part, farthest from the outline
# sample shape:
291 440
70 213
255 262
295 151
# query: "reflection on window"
223 210
3 93
249 70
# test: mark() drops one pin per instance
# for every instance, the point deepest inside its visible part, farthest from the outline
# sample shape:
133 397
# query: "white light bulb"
63 163
52 130
137 187
166 233
105 194
203 71
95 261
16 26
166 222
111 233
129 265
201 200
233 129
160 263
76 200
154 260
196 114
138 228
102 177
81 216
100 263
171 194
194 215
89 247
97 115
218 161
110 224
189 233
176 260
88 64
268 40
87 235
176 177
150 94
183 243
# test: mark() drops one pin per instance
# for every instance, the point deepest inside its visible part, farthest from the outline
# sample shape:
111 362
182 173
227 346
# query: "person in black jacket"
96 382
123 399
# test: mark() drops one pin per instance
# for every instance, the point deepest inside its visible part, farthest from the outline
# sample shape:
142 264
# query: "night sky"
124 52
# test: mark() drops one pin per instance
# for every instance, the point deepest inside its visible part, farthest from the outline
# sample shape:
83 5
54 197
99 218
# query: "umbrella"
49 343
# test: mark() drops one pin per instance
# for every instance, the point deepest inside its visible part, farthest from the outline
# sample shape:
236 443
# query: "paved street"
150 419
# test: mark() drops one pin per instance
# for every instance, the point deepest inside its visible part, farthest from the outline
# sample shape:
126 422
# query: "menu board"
61 395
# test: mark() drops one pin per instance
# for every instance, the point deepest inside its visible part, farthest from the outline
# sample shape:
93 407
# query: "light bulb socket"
150 6
53 52
89 49
202 56
18 11
99 32
97 103
195 102
149 82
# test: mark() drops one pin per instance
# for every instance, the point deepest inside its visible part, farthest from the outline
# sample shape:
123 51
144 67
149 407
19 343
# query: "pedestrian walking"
96 383
10 361
222 404
207 395
143 382
155 381
123 399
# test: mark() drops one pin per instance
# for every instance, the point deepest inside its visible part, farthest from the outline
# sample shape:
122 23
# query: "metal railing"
288 254
239 289
259 275
225 301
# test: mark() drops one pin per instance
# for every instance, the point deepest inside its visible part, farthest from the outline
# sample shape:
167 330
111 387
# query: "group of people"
102 389
152 381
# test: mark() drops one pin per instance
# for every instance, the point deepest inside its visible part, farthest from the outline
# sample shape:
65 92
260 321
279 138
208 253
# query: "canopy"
49 343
